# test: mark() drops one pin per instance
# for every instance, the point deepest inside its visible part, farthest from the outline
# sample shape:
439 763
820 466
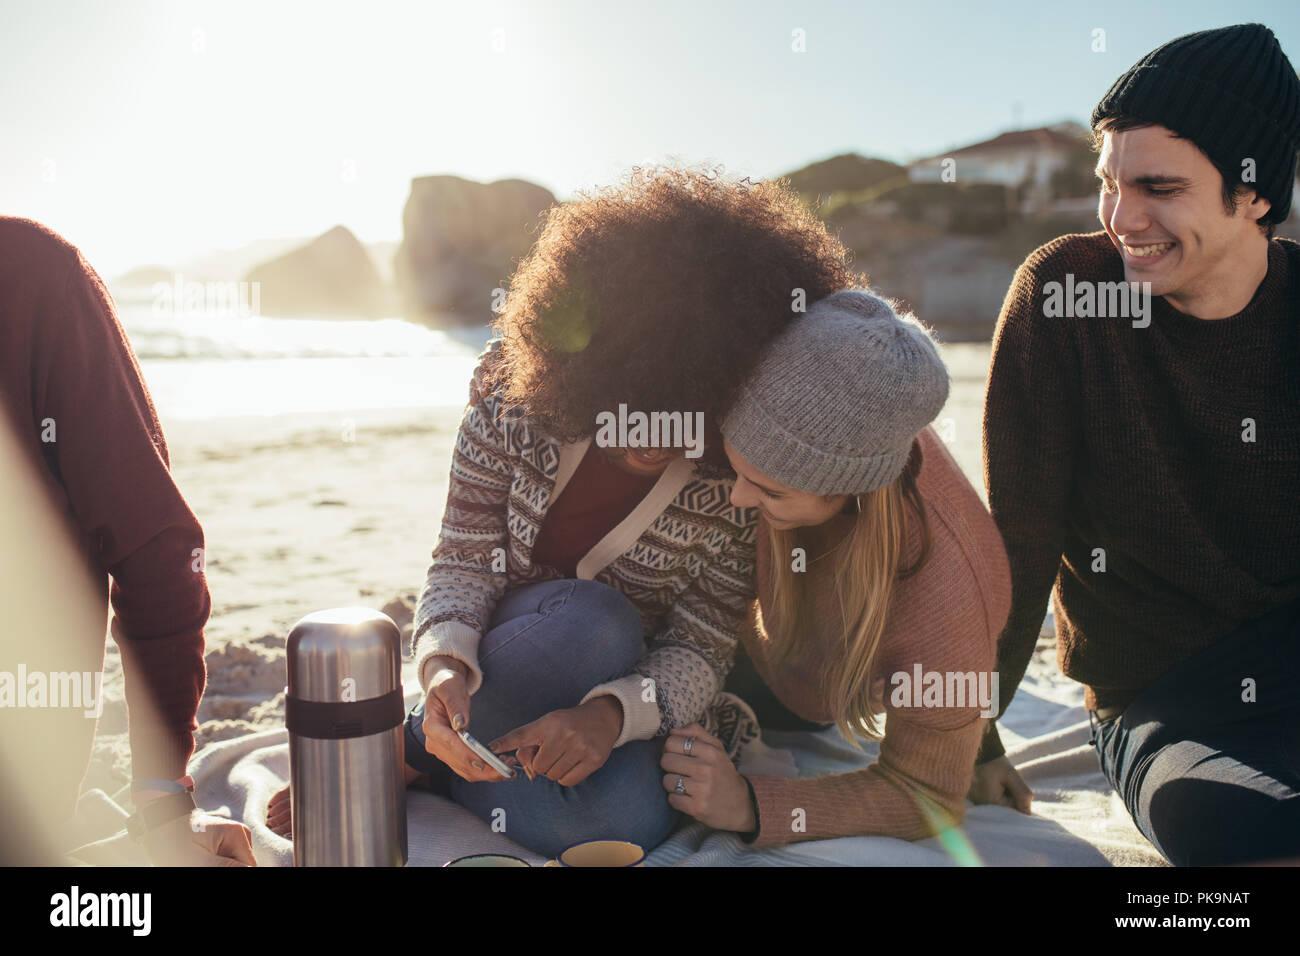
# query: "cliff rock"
461 240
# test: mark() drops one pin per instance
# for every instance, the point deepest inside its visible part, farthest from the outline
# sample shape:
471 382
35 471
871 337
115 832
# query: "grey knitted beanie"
839 397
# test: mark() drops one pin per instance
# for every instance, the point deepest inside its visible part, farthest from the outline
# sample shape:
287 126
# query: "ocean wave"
235 336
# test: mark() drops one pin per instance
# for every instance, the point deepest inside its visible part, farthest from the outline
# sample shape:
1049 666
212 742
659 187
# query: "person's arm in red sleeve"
112 461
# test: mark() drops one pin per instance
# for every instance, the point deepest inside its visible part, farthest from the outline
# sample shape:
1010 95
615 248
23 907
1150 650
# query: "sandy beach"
304 511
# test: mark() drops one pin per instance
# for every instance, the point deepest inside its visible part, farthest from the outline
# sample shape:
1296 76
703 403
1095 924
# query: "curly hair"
659 292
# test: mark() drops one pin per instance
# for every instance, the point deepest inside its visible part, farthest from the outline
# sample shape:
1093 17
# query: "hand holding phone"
446 712
487 756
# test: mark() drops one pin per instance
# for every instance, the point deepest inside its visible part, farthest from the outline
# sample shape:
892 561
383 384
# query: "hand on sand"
201 839
998 782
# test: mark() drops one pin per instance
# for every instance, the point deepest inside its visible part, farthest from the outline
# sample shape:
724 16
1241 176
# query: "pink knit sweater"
946 618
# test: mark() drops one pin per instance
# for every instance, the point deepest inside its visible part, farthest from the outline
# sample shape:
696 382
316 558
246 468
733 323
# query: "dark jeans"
1210 778
745 682
547 644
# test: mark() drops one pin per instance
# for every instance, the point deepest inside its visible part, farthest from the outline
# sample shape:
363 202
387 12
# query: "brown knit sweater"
945 617
1100 435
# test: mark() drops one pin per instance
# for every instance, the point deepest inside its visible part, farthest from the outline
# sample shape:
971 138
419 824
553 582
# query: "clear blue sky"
151 131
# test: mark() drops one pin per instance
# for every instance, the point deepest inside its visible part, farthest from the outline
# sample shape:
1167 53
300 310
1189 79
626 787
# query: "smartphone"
488 757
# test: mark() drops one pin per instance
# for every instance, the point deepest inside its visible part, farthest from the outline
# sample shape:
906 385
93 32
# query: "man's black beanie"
1232 92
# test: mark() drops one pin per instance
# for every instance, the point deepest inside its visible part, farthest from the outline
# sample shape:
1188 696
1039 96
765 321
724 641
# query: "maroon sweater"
597 498
65 359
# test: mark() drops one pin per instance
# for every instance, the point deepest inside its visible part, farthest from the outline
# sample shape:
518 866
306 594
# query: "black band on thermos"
341 719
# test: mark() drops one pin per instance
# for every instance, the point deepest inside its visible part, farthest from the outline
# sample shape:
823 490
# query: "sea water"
214 365
232 365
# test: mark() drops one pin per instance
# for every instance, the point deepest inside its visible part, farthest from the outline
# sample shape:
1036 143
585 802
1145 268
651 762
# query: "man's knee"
1201 820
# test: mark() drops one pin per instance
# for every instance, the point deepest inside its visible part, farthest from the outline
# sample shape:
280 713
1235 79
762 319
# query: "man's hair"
1232 186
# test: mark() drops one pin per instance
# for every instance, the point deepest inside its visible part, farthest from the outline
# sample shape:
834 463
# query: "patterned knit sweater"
1147 478
945 618
684 557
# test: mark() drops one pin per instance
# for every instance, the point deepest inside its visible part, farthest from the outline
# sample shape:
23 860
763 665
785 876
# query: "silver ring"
686 747
681 785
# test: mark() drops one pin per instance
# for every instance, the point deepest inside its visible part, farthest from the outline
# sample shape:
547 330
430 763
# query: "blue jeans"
1210 778
547 644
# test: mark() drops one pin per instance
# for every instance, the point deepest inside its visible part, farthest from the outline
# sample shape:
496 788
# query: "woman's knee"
605 624
585 627
610 605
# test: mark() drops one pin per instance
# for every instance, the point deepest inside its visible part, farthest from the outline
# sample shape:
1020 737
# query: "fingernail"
458 722
478 765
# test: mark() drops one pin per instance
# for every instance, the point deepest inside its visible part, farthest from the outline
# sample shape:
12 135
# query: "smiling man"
1147 475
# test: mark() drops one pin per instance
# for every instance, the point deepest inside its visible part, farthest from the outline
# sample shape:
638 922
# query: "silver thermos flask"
343 709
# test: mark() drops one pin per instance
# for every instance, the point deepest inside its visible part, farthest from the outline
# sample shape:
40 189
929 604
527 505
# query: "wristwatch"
178 801
157 812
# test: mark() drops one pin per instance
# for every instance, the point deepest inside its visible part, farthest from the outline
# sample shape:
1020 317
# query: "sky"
150 132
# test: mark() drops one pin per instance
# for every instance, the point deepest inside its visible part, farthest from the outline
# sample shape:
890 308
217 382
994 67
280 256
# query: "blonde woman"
876 562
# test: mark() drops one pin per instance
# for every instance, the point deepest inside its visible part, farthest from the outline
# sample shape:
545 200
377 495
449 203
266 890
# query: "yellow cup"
487 859
600 853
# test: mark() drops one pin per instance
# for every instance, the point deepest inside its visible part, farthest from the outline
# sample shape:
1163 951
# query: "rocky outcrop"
333 275
847 173
460 241
946 251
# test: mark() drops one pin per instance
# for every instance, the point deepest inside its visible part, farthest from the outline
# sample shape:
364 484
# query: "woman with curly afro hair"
589 584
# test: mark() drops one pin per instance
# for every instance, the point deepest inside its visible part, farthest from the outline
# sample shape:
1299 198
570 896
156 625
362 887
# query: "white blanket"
1076 821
